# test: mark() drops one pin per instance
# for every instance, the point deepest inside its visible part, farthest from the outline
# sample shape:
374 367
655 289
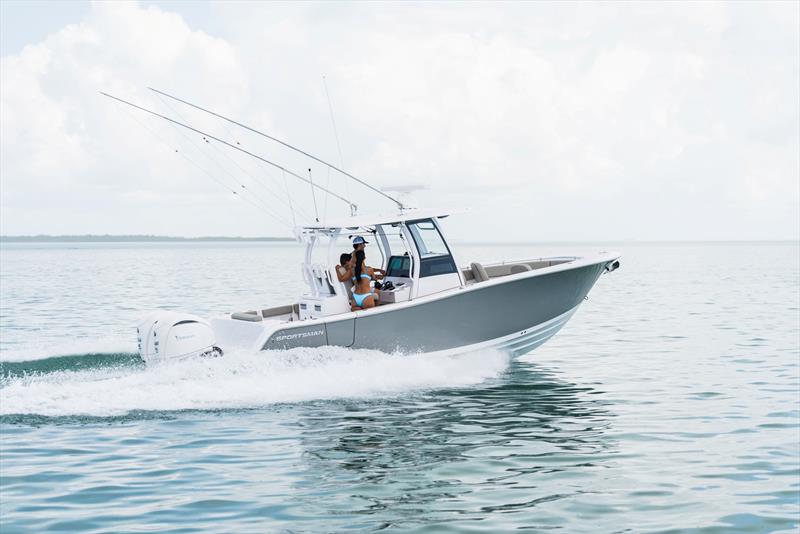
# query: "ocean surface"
669 403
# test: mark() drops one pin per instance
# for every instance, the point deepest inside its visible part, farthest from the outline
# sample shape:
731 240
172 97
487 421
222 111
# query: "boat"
435 305
432 300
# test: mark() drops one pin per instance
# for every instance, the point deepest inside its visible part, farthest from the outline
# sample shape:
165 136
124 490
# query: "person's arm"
343 277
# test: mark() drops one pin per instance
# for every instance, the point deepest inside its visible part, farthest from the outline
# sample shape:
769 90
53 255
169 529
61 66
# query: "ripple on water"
668 404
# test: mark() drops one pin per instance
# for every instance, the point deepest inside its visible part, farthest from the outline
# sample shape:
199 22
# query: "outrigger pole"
353 206
284 143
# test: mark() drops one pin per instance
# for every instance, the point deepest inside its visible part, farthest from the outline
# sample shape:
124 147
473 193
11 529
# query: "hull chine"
518 343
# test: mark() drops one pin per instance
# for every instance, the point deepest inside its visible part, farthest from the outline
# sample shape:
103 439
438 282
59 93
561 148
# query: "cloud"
67 150
581 122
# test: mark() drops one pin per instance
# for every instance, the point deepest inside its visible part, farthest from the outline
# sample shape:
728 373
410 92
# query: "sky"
560 121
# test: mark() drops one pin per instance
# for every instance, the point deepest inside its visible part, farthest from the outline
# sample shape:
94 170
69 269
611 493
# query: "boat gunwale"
579 262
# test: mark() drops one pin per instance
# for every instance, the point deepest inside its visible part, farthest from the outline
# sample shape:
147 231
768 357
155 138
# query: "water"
670 402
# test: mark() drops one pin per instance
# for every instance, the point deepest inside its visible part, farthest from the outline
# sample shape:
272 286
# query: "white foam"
68 347
241 380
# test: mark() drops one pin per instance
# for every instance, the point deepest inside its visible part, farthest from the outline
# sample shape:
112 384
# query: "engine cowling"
166 335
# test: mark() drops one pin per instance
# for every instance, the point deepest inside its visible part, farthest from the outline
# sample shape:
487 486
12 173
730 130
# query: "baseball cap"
358 240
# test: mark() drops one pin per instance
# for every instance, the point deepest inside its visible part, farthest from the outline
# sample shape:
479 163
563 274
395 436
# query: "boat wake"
107 385
61 347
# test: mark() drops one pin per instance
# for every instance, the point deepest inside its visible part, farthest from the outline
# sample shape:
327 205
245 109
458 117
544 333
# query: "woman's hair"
359 263
344 258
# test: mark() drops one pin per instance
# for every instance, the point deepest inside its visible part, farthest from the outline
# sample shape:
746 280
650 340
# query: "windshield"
429 240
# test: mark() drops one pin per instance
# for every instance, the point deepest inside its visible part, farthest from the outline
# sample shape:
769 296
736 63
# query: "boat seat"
252 316
348 288
278 310
478 272
520 268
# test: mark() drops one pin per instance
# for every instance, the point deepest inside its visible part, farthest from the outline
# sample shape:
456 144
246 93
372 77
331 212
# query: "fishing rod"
224 153
353 206
284 143
263 206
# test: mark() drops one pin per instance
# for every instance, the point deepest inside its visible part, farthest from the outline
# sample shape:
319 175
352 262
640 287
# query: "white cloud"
72 161
578 121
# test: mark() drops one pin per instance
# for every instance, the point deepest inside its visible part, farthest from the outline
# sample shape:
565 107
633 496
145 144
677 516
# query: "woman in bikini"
364 296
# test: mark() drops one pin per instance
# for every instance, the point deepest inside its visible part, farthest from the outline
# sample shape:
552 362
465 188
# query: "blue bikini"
359 297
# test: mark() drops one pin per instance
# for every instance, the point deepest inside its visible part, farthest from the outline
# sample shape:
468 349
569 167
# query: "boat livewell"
435 303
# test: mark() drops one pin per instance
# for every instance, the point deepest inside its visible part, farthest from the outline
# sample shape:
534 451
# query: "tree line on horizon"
130 238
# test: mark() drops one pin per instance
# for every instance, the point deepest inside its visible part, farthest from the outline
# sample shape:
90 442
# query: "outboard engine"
166 335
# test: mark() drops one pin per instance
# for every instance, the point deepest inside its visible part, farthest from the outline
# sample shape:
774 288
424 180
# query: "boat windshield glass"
435 258
429 240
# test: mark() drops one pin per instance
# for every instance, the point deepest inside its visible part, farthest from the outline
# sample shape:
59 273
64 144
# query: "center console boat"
437 305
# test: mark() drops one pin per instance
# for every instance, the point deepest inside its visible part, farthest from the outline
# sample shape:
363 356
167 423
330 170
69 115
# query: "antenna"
338 147
284 143
333 122
313 195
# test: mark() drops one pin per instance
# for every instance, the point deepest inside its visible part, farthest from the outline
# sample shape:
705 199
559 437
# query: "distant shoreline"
91 238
